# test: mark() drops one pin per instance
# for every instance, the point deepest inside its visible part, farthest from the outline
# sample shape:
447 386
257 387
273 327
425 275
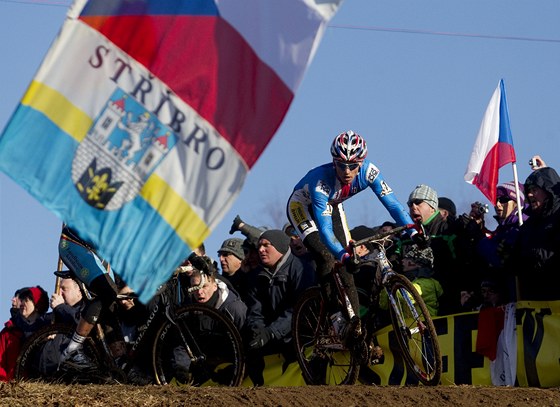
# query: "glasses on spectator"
342 165
504 199
414 202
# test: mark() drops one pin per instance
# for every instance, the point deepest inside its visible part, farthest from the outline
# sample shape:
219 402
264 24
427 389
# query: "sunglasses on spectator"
341 165
414 202
504 199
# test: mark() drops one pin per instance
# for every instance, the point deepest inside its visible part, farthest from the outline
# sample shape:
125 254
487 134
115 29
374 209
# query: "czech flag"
145 117
493 147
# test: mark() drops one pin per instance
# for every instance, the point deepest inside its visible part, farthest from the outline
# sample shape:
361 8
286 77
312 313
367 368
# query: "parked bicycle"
325 359
192 344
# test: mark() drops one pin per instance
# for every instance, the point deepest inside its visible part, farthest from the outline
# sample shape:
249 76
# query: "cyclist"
80 257
316 212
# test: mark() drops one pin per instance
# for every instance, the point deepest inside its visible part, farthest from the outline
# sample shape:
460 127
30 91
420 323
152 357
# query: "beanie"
278 239
233 246
508 189
426 194
448 205
39 297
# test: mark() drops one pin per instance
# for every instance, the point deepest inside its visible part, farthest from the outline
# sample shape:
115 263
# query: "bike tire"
40 356
416 336
320 362
218 358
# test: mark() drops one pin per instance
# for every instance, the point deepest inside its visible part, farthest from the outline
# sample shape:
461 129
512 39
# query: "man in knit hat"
424 208
274 288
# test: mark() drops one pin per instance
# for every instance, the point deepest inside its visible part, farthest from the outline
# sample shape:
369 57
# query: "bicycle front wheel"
321 356
39 357
201 347
414 330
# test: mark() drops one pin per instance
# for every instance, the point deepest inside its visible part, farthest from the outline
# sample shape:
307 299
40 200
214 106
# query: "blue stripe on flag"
505 130
38 156
150 7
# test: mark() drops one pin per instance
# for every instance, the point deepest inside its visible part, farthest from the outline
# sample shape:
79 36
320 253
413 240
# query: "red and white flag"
493 147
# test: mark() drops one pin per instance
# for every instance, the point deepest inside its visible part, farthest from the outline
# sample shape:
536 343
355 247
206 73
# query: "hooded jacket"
536 255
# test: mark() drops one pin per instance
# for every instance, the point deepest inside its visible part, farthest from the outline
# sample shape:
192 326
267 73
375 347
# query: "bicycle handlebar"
382 235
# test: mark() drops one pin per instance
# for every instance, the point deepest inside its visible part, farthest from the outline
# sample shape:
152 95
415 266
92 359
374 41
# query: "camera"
532 163
480 208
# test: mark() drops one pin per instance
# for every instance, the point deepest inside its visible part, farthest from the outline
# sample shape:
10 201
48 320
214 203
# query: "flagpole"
517 194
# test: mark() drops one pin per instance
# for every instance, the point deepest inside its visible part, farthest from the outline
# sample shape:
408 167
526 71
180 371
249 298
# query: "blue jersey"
320 189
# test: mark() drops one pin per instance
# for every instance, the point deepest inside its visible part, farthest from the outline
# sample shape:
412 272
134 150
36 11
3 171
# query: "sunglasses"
341 165
504 199
414 202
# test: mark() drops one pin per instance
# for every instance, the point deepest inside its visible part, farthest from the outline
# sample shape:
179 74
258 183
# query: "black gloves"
202 263
261 336
421 240
235 225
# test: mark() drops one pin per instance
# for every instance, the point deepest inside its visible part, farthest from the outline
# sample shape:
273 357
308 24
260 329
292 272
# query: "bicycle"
325 359
192 344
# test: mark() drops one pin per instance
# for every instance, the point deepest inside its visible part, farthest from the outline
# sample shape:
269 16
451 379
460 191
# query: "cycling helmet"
349 146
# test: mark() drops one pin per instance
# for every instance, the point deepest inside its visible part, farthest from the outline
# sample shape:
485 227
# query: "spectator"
496 248
417 267
231 255
274 289
423 206
23 322
447 208
207 289
68 305
536 254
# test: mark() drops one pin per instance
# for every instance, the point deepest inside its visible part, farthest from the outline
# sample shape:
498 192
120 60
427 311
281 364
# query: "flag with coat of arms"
145 117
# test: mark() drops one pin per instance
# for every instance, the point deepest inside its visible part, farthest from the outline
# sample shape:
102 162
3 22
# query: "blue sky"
414 78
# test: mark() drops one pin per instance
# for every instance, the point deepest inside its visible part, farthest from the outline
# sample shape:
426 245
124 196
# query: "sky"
412 77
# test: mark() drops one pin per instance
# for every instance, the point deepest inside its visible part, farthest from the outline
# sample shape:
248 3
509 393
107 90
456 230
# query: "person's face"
268 254
204 293
537 197
15 301
419 210
229 262
504 207
296 246
70 291
127 303
26 307
490 296
345 171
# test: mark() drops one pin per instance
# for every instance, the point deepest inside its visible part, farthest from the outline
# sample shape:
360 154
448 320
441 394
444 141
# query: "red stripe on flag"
487 179
210 67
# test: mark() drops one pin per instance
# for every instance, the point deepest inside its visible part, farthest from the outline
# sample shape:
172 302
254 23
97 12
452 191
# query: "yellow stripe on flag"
188 225
58 109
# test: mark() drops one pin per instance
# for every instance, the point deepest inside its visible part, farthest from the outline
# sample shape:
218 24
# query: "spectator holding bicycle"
316 212
274 288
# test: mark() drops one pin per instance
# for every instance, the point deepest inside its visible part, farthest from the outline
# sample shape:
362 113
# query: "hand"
235 225
421 240
261 336
202 263
350 264
56 300
537 162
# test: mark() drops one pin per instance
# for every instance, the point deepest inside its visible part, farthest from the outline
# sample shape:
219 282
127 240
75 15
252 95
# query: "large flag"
145 116
493 147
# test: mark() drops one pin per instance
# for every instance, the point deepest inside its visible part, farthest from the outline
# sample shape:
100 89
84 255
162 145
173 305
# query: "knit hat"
233 246
448 205
38 296
422 257
426 194
508 189
278 239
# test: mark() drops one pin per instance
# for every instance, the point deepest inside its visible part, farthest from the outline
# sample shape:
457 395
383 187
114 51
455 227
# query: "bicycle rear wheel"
321 356
39 357
202 347
415 331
